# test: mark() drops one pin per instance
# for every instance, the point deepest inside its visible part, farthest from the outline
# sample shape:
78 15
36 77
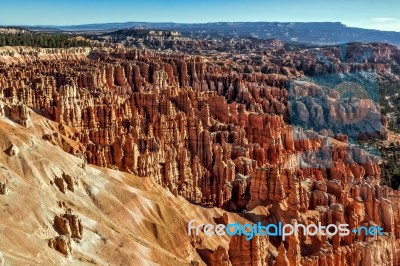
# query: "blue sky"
375 14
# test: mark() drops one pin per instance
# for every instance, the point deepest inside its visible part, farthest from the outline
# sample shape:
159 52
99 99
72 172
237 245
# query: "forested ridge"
43 40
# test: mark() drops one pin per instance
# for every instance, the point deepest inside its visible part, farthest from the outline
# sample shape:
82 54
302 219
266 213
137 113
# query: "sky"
370 14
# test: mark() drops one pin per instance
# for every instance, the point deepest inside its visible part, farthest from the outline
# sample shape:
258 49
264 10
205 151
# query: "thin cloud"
385 19
389 24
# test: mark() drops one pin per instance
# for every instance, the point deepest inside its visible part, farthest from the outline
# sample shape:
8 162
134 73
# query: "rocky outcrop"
12 151
253 252
218 257
62 244
16 55
282 258
69 225
64 182
3 188
20 113
11 30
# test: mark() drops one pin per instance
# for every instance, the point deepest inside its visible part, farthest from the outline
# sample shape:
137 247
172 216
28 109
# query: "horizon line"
192 23
172 22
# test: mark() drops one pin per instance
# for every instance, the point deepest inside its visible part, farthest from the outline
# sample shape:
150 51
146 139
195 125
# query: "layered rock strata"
217 134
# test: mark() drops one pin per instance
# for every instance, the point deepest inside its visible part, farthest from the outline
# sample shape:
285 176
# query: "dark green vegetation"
390 167
390 107
389 93
43 40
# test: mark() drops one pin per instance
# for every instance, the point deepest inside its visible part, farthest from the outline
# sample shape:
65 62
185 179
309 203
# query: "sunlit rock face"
219 133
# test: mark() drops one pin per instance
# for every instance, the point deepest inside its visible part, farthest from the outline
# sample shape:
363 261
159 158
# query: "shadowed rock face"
216 132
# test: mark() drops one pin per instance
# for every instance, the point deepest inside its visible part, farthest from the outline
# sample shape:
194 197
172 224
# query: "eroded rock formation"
3 188
69 225
217 133
61 244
